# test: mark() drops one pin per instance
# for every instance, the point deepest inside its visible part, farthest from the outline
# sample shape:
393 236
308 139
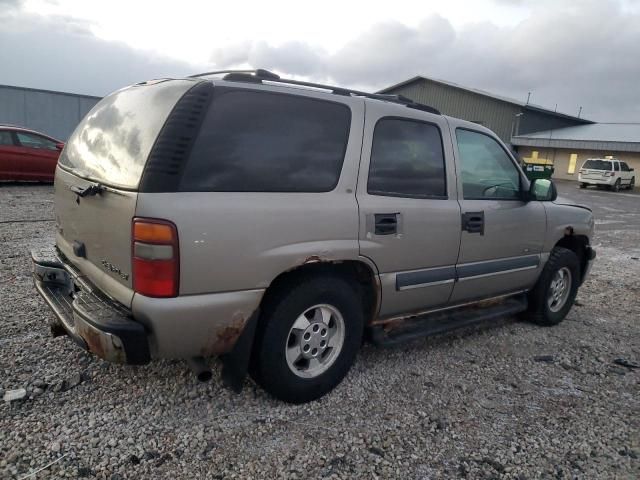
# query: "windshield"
597 165
111 144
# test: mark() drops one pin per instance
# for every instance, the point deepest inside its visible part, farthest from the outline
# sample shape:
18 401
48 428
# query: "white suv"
606 171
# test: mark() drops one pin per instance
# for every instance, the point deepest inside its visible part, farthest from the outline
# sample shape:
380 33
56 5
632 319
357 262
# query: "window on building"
407 160
487 170
573 159
268 142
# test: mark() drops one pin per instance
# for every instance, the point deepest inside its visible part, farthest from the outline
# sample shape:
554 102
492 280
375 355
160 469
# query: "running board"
402 330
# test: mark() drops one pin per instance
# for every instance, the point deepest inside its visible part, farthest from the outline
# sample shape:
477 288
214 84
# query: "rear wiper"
89 191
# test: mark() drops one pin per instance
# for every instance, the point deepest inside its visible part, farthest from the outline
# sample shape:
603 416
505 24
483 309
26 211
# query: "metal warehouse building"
53 113
505 116
538 134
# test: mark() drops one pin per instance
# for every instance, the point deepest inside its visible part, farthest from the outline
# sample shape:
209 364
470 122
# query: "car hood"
570 203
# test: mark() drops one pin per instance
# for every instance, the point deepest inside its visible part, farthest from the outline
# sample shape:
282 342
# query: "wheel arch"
578 244
361 271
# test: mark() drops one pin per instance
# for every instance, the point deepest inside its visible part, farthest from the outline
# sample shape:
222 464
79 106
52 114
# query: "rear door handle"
473 222
385 223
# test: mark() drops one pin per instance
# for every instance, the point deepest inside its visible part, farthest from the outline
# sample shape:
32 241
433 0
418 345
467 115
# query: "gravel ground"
509 400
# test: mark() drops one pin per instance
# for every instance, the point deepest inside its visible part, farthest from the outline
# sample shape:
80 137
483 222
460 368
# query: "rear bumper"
93 321
179 327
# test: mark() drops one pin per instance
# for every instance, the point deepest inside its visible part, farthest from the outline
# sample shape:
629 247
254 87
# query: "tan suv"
278 223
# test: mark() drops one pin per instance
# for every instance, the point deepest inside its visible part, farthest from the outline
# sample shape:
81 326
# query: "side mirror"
631 169
60 146
542 190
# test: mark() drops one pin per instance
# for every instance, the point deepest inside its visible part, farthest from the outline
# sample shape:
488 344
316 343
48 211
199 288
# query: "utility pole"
580 111
528 97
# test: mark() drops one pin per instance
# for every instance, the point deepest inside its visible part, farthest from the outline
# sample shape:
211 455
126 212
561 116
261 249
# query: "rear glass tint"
597 165
111 144
268 142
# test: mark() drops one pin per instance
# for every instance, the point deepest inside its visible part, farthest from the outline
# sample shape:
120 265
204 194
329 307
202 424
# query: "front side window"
268 142
35 141
487 171
6 138
616 166
406 160
624 167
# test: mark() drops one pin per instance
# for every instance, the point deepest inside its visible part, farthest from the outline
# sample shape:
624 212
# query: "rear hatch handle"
88 191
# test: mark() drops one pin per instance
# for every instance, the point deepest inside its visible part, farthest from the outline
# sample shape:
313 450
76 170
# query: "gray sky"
569 53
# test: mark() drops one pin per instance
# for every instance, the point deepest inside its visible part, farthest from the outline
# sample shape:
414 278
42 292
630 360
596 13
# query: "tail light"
582 170
155 257
609 174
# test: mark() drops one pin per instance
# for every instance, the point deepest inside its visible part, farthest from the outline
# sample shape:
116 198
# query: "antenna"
580 111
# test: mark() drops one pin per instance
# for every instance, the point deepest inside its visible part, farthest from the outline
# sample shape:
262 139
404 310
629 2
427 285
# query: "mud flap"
235 364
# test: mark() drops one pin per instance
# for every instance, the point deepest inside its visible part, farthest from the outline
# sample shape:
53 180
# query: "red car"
27 155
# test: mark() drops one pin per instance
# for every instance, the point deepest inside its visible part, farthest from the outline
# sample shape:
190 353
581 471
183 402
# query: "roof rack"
258 72
261 75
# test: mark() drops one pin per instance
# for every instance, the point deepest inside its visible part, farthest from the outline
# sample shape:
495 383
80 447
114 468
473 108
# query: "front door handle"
385 223
473 222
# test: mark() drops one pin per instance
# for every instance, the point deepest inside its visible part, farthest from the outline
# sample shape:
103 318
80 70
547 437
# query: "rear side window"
616 166
406 160
6 138
597 165
268 142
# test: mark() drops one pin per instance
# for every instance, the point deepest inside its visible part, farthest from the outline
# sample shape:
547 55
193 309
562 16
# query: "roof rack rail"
260 75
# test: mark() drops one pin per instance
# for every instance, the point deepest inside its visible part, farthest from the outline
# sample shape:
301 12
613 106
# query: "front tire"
556 289
308 338
632 184
583 185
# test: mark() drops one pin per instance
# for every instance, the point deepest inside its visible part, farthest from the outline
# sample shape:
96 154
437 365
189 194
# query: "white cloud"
579 55
570 53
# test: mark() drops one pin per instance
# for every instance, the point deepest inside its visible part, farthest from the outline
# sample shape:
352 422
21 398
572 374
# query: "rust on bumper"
104 345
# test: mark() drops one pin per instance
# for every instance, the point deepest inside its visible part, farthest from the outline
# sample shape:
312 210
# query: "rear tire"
292 359
556 289
616 186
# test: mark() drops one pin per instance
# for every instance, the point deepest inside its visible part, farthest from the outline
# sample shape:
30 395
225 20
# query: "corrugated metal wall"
53 113
494 114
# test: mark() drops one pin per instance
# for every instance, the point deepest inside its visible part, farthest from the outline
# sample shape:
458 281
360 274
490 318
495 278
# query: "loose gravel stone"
15 395
474 404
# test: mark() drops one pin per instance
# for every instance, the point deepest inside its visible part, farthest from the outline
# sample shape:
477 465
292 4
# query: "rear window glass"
597 165
268 142
111 144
